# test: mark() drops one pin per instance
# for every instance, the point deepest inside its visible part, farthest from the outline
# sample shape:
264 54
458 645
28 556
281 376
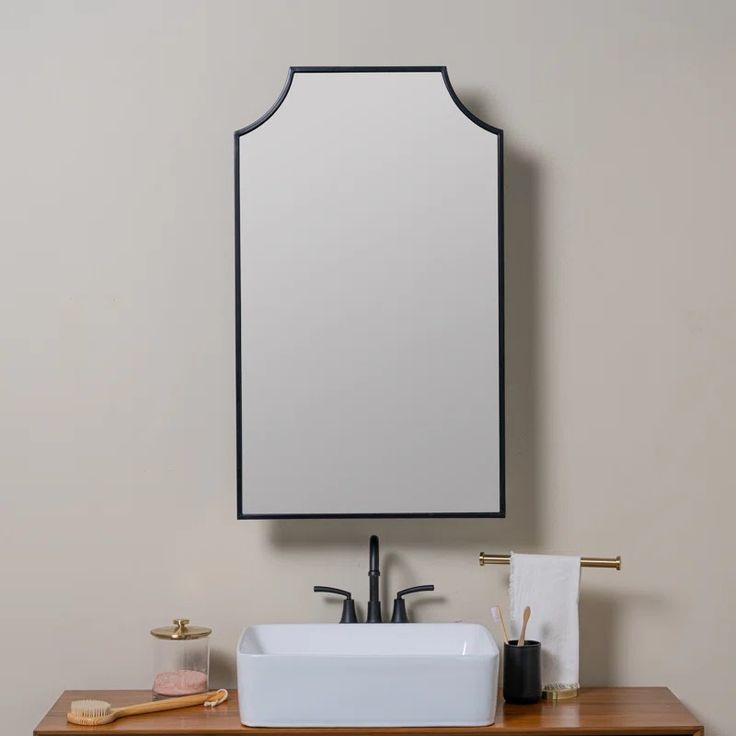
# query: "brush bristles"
90 708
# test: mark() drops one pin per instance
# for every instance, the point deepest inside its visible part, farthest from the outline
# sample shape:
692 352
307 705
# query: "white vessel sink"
357 675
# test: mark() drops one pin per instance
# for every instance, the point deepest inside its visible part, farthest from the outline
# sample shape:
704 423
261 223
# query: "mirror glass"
369 300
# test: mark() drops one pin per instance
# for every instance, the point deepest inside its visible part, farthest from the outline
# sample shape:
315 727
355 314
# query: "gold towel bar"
610 562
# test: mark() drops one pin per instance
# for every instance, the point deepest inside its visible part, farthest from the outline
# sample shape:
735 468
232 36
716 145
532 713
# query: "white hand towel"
550 585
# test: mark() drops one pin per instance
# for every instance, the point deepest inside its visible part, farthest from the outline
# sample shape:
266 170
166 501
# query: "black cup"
522 678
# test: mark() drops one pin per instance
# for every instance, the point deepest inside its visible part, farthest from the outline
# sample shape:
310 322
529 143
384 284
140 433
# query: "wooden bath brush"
99 712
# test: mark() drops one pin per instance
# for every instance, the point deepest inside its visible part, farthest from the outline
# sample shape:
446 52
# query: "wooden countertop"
626 711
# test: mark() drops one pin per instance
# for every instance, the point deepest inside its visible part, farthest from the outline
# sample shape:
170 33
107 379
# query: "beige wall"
117 459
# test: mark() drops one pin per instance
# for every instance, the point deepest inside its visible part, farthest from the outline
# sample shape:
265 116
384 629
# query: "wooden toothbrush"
525 621
99 712
498 618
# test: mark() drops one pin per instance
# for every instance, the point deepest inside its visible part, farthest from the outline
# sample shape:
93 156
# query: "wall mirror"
369 300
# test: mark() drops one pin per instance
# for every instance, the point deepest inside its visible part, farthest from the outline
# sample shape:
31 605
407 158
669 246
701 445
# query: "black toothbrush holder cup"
522 676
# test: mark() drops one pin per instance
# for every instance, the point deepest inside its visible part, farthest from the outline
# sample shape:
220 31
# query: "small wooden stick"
525 621
498 617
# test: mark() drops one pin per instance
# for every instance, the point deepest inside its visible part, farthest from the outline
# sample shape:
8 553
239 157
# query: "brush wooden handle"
496 610
183 702
525 621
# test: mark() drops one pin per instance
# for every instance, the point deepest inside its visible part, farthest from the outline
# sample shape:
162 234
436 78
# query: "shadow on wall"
600 614
523 364
598 628
222 668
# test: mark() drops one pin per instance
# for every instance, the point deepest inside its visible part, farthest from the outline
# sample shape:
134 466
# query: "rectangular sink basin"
358 675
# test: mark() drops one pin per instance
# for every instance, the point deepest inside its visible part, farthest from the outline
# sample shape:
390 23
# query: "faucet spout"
374 572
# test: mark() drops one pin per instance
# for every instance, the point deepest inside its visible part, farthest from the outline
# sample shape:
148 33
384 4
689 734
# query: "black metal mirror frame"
238 350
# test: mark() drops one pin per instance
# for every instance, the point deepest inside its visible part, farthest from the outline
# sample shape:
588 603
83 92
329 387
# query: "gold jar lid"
181 630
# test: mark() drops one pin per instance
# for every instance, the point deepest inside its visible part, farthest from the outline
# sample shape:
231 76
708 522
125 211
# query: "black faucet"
374 572
374 603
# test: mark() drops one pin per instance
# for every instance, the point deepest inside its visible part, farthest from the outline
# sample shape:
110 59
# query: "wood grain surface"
629 711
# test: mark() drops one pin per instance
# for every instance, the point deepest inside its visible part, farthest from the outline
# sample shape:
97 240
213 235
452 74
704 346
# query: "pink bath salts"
181 682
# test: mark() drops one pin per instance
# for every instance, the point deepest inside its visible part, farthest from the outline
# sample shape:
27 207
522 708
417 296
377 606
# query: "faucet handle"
348 605
399 615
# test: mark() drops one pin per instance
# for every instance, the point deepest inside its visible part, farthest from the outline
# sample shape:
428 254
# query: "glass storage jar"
181 659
